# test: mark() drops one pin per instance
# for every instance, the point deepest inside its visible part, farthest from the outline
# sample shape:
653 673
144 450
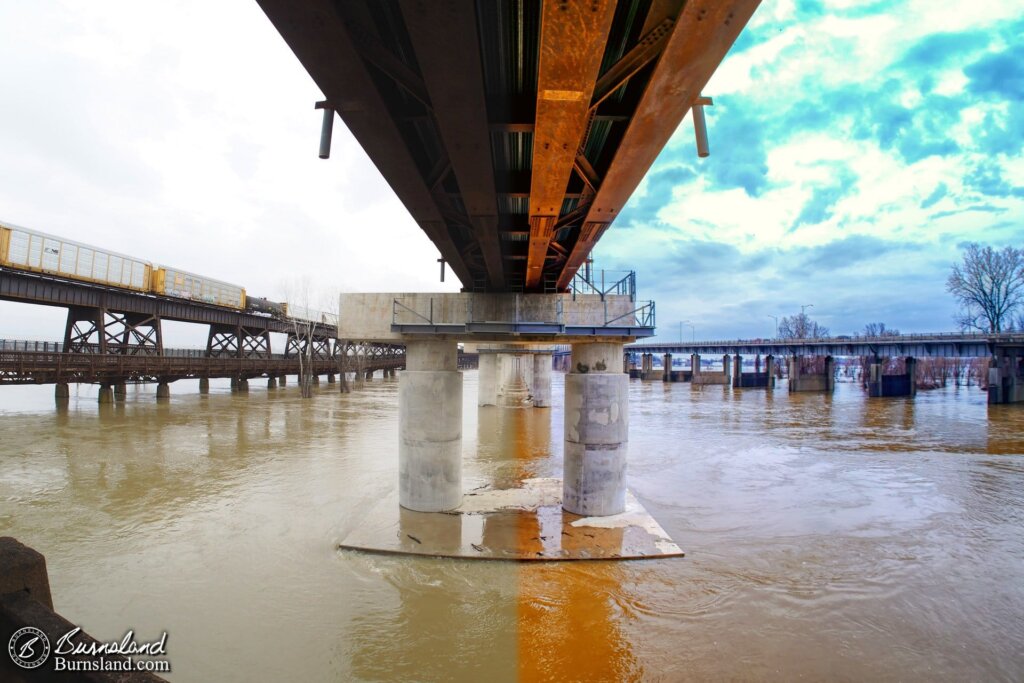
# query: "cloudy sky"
855 147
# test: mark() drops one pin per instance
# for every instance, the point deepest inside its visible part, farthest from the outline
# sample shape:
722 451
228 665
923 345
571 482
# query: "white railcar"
39 252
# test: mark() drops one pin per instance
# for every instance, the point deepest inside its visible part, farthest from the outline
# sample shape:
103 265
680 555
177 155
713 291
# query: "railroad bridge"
114 336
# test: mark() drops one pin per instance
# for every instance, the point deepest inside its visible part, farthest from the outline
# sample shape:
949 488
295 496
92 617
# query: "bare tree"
879 330
800 326
307 324
989 285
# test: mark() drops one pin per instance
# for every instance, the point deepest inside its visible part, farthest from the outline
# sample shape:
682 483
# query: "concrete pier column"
61 392
737 370
314 378
369 374
234 384
120 391
694 367
793 371
163 390
283 380
243 385
830 373
105 394
204 385
487 393
1006 376
912 375
666 370
726 368
430 427
542 380
330 378
596 431
272 382
769 369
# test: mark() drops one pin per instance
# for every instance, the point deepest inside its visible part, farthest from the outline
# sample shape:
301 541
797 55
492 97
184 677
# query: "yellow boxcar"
35 251
183 285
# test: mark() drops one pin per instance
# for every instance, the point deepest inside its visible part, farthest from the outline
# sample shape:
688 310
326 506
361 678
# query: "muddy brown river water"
827 537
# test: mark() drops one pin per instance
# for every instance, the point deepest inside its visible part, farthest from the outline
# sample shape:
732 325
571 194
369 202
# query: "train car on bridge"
38 252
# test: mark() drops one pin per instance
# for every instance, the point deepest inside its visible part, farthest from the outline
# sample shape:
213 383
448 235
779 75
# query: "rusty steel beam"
573 36
700 39
444 36
321 40
648 49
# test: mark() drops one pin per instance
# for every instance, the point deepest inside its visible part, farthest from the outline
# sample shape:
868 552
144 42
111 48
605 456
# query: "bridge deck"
515 131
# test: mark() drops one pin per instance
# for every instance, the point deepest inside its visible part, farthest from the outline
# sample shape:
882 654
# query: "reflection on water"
827 537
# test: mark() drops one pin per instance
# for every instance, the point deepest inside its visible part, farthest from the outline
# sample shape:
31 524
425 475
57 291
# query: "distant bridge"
907 345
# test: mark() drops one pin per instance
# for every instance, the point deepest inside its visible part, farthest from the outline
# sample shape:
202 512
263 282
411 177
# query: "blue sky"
855 147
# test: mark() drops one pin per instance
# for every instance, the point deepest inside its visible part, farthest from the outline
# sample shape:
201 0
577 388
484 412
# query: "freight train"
37 252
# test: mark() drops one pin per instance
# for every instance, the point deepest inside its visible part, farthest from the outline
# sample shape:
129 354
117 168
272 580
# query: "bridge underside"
514 131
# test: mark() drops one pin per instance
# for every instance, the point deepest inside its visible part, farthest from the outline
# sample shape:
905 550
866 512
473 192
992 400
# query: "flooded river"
827 537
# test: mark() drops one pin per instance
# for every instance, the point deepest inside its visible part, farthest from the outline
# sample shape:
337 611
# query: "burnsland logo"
29 647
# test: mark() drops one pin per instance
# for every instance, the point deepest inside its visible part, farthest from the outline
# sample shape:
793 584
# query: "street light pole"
805 307
776 318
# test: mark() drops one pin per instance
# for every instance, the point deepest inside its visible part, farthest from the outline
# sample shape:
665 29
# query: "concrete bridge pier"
204 385
330 378
283 380
243 385
1006 376
487 392
801 379
430 427
105 394
163 391
515 377
120 391
61 392
666 367
542 363
881 385
596 431
271 382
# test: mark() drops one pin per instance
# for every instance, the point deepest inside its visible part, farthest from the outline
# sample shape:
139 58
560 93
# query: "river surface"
827 537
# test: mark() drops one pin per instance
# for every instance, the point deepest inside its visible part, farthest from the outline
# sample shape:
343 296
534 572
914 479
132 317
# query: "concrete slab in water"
524 523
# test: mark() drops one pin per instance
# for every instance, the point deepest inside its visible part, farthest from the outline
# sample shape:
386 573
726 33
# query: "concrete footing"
105 394
596 431
430 427
61 393
163 390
